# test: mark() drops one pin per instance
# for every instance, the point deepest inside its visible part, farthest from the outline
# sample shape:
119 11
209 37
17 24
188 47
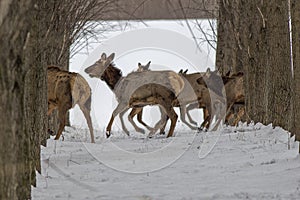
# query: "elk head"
144 67
99 67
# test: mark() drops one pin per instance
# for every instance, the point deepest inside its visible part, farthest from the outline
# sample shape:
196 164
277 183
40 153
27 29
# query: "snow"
247 162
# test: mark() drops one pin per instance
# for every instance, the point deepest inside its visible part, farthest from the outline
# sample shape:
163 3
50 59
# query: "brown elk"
211 98
192 93
65 90
234 91
193 90
139 110
138 89
205 98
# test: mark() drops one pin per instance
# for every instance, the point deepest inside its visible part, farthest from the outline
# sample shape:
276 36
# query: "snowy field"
249 162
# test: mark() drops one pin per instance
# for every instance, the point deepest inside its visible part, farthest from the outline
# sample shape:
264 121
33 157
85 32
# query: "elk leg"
205 123
169 110
173 117
182 117
62 121
207 118
228 118
188 109
164 118
161 124
239 116
122 122
139 118
117 110
131 115
88 119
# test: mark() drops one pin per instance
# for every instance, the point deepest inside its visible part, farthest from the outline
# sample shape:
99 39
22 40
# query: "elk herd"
215 94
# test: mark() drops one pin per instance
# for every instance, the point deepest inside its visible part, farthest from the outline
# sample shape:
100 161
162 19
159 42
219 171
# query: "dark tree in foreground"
266 60
255 35
228 55
295 15
33 34
22 105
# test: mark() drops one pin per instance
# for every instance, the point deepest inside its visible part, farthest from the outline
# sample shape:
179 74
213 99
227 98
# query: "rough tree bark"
229 49
22 121
295 15
266 60
228 55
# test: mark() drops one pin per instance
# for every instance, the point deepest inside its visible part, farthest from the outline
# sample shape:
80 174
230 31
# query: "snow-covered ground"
249 162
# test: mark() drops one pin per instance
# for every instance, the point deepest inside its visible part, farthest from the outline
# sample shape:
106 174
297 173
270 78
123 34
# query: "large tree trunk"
295 14
266 61
22 120
228 56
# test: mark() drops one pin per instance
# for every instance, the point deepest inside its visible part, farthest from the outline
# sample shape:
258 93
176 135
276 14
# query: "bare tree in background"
68 28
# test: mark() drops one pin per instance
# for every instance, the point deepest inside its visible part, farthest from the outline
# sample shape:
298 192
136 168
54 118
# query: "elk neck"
111 76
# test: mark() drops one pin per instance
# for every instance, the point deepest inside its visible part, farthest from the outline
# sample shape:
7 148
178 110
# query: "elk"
65 90
234 91
203 99
139 110
138 89
193 90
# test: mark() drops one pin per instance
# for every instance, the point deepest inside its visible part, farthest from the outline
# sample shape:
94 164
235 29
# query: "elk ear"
103 56
139 65
180 72
111 57
185 71
208 72
148 65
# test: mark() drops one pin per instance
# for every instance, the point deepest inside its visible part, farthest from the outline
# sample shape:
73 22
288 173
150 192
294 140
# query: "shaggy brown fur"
65 90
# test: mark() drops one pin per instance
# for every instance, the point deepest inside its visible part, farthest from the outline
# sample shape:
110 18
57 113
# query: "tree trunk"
266 61
295 7
17 166
228 56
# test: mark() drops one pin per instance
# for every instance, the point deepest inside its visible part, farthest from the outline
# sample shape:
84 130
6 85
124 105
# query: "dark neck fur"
111 76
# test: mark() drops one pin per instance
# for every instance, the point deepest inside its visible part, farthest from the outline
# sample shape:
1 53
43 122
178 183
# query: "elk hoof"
150 135
107 134
162 133
126 132
200 129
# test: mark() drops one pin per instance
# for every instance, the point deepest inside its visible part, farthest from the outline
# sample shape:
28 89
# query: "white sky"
167 44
